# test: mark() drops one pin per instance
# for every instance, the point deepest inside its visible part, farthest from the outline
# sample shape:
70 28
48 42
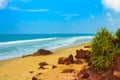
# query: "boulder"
62 60
78 61
69 60
42 52
82 54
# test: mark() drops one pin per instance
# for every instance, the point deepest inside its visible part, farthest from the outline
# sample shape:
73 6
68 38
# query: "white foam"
25 41
70 41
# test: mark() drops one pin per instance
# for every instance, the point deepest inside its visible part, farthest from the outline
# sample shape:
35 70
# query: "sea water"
16 45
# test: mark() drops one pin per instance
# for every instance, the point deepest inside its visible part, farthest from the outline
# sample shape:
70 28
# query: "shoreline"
11 69
54 50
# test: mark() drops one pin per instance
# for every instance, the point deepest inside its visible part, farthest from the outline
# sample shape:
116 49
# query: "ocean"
16 45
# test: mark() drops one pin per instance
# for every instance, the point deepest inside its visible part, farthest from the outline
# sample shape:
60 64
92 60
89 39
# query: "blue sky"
58 16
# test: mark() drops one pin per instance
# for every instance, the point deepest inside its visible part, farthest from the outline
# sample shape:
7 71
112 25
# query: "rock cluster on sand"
82 54
42 52
69 60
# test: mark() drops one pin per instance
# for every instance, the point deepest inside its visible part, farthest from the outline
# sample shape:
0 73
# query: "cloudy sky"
58 16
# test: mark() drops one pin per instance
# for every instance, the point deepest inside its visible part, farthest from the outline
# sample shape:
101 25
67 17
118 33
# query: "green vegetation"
118 34
103 49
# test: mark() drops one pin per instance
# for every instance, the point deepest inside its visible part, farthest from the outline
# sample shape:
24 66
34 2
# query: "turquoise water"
22 44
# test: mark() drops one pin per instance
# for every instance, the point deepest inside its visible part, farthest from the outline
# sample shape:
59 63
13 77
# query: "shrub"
102 50
118 34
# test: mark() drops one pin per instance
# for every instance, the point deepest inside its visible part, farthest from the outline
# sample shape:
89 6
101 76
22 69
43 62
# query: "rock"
69 60
78 61
42 52
85 75
81 72
31 71
67 70
34 78
82 54
38 74
62 60
42 64
53 67
87 47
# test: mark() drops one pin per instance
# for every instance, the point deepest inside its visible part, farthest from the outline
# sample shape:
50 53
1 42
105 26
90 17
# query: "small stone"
67 70
34 78
31 71
53 67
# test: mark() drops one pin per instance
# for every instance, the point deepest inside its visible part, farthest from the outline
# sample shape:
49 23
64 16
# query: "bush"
102 50
118 34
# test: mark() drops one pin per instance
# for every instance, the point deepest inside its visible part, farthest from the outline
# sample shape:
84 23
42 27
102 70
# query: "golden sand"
20 68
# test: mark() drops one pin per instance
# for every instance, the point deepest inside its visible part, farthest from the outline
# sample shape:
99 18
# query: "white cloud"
28 10
3 3
110 18
37 10
112 4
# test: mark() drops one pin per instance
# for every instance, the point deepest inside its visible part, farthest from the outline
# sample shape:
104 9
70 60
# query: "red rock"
116 67
85 75
53 67
86 46
78 61
117 62
67 70
42 64
62 60
39 74
42 52
34 78
82 54
31 71
69 60
81 72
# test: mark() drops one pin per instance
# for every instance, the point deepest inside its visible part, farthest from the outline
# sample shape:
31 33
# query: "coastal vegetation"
104 47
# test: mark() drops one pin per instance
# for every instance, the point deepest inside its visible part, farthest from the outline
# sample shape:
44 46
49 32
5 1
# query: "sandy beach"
27 67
